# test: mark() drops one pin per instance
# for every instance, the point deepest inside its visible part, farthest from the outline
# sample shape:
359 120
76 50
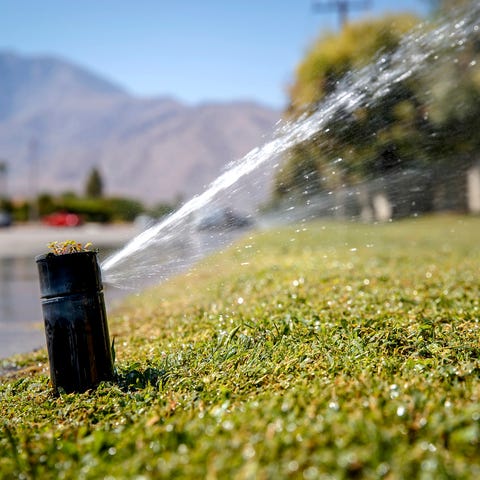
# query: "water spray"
361 88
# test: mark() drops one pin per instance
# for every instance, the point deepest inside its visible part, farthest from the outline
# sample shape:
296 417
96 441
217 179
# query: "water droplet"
428 447
429 465
248 452
394 391
310 473
182 449
334 406
228 425
383 469
292 466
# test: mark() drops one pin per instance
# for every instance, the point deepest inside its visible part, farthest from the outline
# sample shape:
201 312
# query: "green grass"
320 351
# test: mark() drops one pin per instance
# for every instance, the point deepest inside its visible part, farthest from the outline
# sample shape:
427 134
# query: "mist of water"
179 240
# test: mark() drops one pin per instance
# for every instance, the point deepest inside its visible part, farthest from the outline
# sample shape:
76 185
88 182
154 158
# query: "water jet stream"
175 242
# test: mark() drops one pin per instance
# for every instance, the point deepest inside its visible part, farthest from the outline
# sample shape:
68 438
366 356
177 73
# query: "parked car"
5 219
62 219
223 219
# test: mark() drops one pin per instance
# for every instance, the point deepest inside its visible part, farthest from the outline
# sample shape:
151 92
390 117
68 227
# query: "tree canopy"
426 120
333 55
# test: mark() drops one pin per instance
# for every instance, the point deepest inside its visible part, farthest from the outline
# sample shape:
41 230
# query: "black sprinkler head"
75 318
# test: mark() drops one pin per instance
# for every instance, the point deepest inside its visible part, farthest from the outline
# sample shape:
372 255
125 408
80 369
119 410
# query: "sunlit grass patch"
347 350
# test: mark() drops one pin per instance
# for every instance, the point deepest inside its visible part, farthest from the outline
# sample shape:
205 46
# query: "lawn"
322 350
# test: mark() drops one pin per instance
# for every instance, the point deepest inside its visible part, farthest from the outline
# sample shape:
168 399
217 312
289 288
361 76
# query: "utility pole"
341 6
32 156
3 179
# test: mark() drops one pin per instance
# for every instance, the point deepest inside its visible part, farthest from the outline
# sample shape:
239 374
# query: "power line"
341 6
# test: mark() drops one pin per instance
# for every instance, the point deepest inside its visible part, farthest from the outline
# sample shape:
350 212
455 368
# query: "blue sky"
193 50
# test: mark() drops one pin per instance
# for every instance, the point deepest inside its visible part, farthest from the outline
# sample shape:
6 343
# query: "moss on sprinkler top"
317 351
68 246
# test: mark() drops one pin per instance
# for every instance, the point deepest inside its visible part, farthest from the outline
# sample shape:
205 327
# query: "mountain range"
59 120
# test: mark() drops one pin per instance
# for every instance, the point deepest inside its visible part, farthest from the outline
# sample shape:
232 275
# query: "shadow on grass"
136 379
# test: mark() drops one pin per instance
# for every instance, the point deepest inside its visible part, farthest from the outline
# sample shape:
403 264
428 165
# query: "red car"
62 219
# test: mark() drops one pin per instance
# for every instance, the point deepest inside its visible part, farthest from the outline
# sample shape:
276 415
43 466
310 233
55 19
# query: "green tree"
124 209
354 143
427 122
46 204
161 209
94 185
333 55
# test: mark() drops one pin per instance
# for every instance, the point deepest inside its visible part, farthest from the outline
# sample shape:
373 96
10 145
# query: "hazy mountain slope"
58 120
29 84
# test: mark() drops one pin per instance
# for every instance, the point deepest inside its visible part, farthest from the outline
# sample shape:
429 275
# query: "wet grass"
315 351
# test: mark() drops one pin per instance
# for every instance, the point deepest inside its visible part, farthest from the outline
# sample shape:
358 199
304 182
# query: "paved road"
31 240
21 326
